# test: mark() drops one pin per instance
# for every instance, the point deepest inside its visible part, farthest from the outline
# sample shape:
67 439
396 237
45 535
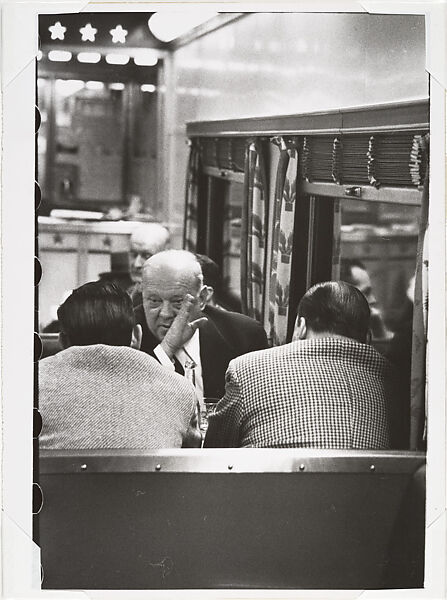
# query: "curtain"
254 231
192 198
283 224
420 313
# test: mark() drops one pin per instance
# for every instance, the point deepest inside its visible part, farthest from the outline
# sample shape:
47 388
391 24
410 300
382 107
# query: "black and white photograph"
238 384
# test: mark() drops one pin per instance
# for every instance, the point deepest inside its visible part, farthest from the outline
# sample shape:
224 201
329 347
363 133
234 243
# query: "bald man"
211 337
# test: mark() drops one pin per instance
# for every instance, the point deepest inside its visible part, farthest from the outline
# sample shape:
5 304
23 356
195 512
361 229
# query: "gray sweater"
112 397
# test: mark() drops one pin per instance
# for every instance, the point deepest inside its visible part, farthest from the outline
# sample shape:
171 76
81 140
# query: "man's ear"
205 295
63 340
209 292
300 331
137 334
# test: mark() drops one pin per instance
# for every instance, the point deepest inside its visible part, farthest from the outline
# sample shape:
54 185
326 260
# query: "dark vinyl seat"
232 519
50 344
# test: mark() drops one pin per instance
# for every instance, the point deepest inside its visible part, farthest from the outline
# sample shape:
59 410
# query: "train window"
220 238
231 249
377 253
373 246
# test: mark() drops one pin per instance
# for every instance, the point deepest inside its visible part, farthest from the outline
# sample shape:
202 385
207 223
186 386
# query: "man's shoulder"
266 356
242 333
226 316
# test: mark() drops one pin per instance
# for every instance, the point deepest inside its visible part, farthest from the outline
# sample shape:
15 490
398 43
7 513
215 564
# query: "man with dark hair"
100 391
353 271
326 389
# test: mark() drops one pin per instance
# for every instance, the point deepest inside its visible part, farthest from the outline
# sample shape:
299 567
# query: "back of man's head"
99 312
336 308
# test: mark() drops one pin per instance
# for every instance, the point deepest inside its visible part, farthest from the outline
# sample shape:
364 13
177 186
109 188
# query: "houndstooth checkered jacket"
317 393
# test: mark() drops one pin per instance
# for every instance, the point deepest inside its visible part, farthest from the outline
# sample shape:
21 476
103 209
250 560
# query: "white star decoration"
88 33
57 31
118 35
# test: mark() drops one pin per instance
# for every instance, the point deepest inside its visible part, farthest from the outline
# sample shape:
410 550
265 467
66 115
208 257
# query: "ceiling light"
118 35
117 59
167 26
59 55
39 55
67 87
88 33
94 85
148 87
89 57
145 58
116 86
57 31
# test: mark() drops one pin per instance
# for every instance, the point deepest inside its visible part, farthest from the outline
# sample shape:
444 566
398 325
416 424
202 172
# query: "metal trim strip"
413 114
408 196
250 460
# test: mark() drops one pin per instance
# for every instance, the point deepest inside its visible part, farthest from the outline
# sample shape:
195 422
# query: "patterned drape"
192 198
283 224
420 313
254 231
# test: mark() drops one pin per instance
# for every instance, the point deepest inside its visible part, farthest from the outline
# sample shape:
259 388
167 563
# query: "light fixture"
167 26
67 87
89 57
116 86
148 87
117 59
118 35
57 31
145 58
88 33
94 85
39 55
59 55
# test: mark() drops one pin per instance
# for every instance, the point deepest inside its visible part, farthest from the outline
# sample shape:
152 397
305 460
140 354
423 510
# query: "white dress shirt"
189 351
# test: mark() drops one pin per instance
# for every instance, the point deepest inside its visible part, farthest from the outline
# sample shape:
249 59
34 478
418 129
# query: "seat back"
50 344
224 519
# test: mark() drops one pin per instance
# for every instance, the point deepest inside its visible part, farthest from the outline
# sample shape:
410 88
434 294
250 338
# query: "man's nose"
166 310
139 261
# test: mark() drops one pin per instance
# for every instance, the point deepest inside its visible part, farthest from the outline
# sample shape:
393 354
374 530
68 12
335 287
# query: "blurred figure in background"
146 240
211 278
354 272
100 392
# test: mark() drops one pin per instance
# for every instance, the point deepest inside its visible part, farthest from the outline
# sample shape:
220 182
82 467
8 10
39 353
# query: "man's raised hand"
182 329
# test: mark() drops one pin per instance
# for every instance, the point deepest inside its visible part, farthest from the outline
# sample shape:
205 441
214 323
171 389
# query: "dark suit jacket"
225 336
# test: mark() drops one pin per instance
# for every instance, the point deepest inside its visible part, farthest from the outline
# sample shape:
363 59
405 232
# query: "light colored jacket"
112 397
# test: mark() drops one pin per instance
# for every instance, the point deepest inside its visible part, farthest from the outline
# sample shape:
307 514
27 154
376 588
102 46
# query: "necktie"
178 366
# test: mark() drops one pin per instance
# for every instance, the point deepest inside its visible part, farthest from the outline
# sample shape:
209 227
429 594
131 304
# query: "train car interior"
291 149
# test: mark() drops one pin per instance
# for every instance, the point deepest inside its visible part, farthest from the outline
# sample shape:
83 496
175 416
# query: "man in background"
100 391
353 271
146 240
326 389
201 353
